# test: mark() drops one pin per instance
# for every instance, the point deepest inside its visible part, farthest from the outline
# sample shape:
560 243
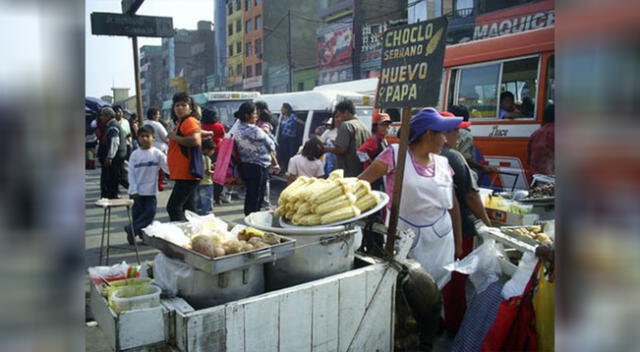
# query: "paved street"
232 212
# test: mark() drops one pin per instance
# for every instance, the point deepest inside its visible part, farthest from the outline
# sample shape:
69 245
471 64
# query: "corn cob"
289 215
336 174
336 203
304 209
338 188
297 186
367 202
310 220
306 192
296 219
362 188
280 211
340 214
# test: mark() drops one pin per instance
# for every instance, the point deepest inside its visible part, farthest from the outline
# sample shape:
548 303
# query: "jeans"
142 213
255 178
181 199
110 177
287 148
204 199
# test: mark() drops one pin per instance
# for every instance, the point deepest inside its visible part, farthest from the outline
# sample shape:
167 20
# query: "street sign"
411 69
131 6
103 23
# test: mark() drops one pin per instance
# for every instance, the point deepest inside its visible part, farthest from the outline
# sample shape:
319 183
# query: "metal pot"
332 255
202 290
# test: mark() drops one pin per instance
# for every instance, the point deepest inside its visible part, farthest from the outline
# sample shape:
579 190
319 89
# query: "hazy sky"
109 60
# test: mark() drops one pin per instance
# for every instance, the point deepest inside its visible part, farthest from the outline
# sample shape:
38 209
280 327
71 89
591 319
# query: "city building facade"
151 76
253 45
235 43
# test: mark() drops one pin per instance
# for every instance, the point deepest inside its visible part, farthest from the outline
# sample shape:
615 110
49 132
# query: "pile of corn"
311 201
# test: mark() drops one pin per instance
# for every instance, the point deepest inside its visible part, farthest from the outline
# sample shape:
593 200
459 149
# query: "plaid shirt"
288 126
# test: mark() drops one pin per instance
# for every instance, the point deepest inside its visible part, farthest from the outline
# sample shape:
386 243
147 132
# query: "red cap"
381 117
463 124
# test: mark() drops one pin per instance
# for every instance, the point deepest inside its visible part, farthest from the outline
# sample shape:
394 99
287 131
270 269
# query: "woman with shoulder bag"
185 136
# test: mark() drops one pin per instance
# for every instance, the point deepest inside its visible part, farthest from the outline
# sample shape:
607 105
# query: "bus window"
319 118
452 87
478 90
551 81
364 115
520 78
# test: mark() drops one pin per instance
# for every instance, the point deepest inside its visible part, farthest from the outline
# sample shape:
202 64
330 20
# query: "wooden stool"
107 204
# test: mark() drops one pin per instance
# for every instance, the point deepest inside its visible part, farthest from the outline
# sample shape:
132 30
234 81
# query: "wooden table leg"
104 222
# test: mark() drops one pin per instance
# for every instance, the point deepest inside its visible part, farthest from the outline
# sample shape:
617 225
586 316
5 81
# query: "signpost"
410 76
128 24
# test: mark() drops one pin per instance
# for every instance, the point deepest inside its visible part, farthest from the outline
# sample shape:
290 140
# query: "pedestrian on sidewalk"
144 164
211 122
204 194
185 135
352 133
112 154
257 153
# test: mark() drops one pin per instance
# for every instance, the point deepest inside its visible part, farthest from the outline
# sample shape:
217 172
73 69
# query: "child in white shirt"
144 164
308 162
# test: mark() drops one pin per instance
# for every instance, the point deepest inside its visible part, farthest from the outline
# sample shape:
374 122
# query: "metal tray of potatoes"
227 262
512 232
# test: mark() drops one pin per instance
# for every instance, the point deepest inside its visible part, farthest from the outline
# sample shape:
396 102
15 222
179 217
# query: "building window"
247 4
259 69
249 72
230 71
238 47
247 50
258 46
230 50
238 26
230 9
238 5
239 69
300 86
256 2
230 29
247 26
258 22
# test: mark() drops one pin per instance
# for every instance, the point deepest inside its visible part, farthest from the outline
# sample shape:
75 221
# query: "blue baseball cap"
430 119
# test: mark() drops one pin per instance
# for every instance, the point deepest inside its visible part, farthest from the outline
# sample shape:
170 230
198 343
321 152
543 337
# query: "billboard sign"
411 69
518 19
334 45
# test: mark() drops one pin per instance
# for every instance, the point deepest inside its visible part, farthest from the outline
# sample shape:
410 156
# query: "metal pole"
289 53
136 70
398 180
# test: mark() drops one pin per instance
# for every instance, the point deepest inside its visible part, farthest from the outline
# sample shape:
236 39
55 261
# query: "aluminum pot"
202 290
333 254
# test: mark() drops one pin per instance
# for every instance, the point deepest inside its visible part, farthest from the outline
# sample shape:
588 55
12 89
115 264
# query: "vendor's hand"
107 161
276 170
546 252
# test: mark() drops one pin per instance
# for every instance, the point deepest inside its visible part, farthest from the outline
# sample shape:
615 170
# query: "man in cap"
373 146
112 155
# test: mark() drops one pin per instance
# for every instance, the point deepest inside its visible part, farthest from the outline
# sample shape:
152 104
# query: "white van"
315 107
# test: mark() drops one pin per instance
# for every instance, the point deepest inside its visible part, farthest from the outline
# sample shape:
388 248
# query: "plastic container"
115 285
135 297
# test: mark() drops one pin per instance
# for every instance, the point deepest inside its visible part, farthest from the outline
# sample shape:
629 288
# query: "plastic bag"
168 232
516 285
481 265
166 272
209 225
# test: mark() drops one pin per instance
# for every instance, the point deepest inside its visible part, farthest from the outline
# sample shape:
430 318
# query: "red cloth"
218 132
454 294
541 150
370 146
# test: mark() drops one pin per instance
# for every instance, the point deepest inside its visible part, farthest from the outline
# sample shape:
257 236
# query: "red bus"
477 72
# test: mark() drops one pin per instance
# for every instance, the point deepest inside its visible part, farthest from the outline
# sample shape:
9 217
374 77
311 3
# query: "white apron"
424 208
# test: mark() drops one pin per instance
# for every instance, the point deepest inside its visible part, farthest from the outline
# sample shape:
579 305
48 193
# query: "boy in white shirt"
144 164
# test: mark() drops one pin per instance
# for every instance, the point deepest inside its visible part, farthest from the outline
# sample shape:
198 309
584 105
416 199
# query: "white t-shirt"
329 135
301 166
143 170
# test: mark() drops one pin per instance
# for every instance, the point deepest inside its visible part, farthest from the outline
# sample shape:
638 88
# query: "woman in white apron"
428 203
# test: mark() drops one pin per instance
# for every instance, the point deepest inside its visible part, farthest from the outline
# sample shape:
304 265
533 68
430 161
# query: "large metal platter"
384 199
265 221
